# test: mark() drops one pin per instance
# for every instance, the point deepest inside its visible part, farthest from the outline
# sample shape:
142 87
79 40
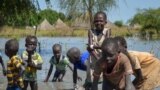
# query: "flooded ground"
67 42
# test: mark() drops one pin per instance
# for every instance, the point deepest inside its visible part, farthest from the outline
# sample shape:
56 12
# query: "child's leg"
56 75
62 73
25 84
33 85
106 85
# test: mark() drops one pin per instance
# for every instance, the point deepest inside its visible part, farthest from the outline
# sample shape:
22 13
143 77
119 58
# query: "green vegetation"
86 7
149 20
118 23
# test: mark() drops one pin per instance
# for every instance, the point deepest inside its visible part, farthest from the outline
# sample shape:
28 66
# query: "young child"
115 67
14 67
99 33
3 67
34 63
60 61
80 61
145 66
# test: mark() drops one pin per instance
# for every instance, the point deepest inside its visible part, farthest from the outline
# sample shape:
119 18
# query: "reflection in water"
46 44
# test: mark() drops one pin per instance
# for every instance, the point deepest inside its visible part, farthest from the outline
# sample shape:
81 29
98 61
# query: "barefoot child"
34 63
60 61
145 66
115 67
14 67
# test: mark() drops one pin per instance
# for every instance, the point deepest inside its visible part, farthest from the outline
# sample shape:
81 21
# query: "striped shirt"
30 73
13 66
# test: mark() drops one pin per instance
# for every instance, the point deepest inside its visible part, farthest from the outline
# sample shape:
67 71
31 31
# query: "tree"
118 23
86 6
50 15
148 19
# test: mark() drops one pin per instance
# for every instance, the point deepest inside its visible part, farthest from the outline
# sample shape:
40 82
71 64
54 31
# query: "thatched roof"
60 25
45 25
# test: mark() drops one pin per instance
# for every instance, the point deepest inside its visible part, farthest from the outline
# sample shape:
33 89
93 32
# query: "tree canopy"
86 6
147 18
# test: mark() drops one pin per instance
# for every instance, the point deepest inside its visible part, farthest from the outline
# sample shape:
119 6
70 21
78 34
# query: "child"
115 67
145 66
100 32
80 61
14 67
3 67
34 63
60 61
96 37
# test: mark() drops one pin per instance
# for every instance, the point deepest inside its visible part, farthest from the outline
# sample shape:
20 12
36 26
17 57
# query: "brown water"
67 42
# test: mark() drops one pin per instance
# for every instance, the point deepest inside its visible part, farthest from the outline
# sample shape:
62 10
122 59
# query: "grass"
9 32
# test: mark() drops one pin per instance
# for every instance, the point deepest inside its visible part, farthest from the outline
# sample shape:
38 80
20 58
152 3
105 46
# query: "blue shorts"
13 88
58 73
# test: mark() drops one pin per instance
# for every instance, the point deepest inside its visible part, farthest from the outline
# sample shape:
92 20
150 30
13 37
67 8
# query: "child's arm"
3 67
128 82
139 78
49 73
79 78
75 76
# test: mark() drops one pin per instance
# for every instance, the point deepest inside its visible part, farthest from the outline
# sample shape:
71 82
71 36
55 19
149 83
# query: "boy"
145 66
34 63
3 67
80 61
100 32
14 66
60 61
115 67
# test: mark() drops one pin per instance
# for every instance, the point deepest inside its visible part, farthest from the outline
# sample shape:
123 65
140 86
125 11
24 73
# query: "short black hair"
121 40
56 46
110 42
73 51
101 12
29 37
12 46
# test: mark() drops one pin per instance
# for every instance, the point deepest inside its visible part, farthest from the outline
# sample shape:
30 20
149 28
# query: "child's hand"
79 78
4 72
90 47
31 64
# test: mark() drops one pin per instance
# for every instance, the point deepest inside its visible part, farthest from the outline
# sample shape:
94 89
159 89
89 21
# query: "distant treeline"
25 13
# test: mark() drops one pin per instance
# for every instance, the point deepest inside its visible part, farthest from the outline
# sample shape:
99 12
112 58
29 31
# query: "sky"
124 11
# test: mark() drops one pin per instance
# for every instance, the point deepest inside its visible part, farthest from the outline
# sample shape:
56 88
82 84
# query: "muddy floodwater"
45 49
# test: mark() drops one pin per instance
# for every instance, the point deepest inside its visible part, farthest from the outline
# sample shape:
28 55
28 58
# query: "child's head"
11 47
73 54
122 44
110 50
100 19
57 50
31 43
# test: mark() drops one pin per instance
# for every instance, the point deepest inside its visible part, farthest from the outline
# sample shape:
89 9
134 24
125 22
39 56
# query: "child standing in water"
145 66
60 61
14 67
34 63
115 66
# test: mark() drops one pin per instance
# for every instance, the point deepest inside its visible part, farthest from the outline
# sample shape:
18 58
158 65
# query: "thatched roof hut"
60 25
45 25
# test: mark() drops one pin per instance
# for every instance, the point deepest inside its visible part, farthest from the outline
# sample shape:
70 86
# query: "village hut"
60 25
45 25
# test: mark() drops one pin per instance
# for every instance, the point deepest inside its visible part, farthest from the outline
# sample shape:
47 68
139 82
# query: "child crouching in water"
60 61
115 66
15 68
